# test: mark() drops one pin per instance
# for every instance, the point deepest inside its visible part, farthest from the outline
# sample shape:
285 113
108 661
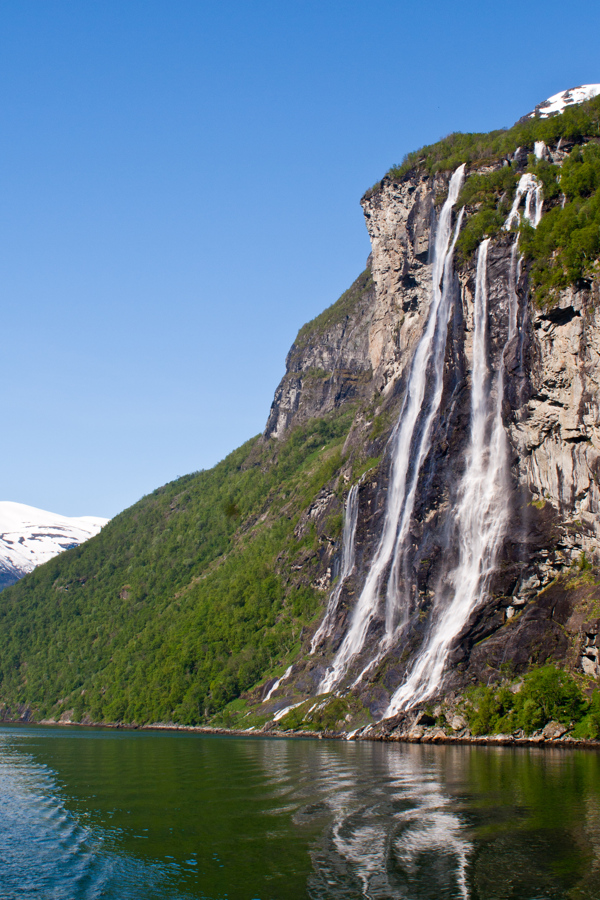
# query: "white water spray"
419 407
530 187
480 516
347 564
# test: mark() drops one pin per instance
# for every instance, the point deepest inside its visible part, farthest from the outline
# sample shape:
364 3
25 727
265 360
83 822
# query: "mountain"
413 540
30 537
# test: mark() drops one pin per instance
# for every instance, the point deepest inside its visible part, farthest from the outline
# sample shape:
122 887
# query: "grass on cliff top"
337 312
576 124
183 601
564 249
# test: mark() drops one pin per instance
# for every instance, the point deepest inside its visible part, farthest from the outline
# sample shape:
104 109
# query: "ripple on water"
47 852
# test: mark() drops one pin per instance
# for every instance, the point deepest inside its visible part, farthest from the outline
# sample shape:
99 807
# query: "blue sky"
179 193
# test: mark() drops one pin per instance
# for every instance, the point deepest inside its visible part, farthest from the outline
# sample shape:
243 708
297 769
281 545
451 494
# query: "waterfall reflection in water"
103 814
394 837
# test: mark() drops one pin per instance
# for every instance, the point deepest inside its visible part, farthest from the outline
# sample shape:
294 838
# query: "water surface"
106 814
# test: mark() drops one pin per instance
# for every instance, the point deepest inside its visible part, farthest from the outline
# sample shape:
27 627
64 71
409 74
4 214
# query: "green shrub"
565 246
335 524
546 694
588 728
491 710
485 223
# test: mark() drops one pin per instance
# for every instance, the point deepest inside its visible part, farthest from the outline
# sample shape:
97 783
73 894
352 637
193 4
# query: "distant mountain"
30 536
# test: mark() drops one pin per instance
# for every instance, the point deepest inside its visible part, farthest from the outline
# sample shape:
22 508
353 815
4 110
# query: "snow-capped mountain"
30 536
558 102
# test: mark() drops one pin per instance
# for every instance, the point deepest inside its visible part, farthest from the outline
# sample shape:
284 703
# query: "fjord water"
108 814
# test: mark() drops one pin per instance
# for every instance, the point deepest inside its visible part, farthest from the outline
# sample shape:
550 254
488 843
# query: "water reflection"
86 814
393 832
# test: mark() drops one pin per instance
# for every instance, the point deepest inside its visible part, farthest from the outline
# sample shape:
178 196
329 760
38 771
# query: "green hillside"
182 601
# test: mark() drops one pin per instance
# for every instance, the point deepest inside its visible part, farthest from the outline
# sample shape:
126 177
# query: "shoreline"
428 736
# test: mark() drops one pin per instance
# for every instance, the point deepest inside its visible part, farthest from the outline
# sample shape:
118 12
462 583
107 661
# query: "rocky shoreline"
553 734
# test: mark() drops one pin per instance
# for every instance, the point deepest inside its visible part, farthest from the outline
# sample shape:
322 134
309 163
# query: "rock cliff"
534 605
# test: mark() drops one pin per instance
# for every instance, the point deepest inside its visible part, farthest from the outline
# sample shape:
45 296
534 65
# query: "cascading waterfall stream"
395 609
347 564
419 408
481 514
530 187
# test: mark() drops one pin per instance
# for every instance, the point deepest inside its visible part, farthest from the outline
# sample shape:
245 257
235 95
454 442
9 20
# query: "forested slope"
182 601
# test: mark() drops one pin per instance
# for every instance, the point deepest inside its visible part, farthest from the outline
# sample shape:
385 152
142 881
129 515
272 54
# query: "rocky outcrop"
364 342
329 362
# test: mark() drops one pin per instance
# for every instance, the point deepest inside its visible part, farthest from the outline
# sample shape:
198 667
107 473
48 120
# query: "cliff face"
548 496
363 343
557 435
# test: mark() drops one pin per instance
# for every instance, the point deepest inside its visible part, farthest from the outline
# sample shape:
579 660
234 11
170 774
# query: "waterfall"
347 564
394 597
409 442
480 516
513 280
285 675
529 187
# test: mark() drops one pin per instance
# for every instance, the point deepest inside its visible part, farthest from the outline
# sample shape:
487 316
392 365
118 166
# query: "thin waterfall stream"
347 564
410 441
530 188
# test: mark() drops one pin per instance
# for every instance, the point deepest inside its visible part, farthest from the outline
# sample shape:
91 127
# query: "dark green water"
103 814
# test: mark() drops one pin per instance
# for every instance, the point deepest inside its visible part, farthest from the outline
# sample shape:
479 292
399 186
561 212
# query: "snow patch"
30 537
557 103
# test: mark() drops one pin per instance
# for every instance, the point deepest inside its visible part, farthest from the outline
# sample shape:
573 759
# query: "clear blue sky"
179 192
